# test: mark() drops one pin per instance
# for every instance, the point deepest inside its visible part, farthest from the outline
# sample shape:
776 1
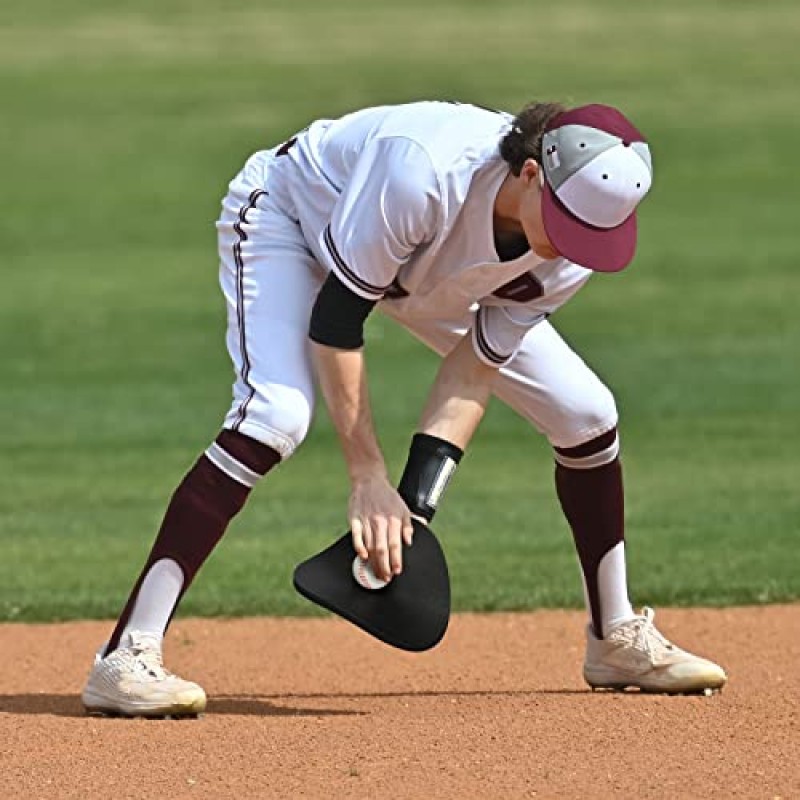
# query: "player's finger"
408 530
357 532
369 536
396 545
408 526
380 548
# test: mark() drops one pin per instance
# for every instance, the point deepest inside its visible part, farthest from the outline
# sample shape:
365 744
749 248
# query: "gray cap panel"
571 147
643 151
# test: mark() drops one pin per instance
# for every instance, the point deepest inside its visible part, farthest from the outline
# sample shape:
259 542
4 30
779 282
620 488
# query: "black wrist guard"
430 465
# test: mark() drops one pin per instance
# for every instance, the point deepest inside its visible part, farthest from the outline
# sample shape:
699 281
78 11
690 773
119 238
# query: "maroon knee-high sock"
199 512
593 502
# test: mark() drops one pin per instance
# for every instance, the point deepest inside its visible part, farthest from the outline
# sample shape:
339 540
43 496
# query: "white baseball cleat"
634 653
133 682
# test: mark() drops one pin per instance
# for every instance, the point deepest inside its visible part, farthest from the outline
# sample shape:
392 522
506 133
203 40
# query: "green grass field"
122 123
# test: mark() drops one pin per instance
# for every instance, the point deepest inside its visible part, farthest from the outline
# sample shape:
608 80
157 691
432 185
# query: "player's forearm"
458 397
342 379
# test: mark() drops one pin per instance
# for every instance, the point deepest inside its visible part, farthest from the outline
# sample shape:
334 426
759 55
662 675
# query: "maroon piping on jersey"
240 317
491 355
348 273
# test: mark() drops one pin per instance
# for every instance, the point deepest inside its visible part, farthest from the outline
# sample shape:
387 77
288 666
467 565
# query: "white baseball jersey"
398 201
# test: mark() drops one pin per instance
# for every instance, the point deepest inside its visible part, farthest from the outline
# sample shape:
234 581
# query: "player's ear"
531 171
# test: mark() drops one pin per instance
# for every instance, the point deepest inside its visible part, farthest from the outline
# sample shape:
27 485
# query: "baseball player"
469 227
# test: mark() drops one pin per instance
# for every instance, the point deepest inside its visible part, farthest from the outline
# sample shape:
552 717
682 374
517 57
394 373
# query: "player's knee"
279 420
591 414
289 415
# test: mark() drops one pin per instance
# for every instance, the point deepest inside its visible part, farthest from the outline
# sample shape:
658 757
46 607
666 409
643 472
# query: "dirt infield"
315 708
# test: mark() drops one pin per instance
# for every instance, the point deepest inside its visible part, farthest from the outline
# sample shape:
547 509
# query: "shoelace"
648 638
150 660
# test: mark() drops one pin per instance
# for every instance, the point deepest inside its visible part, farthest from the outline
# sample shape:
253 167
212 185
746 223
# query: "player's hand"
380 522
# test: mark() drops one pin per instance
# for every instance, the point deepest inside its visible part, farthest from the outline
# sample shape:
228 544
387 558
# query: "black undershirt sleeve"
338 316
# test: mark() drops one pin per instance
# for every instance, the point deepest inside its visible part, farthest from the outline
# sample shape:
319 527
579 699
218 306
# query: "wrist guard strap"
430 465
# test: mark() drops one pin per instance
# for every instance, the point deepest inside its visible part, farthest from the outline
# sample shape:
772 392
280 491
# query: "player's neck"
506 207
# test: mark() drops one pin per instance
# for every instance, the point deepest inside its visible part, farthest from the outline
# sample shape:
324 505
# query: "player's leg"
550 385
269 282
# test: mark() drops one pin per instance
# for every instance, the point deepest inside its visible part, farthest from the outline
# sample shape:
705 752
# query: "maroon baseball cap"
597 168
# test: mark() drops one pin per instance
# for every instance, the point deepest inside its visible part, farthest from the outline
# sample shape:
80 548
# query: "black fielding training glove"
430 465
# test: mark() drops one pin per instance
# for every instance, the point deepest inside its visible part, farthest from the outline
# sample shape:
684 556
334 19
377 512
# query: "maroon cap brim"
599 249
